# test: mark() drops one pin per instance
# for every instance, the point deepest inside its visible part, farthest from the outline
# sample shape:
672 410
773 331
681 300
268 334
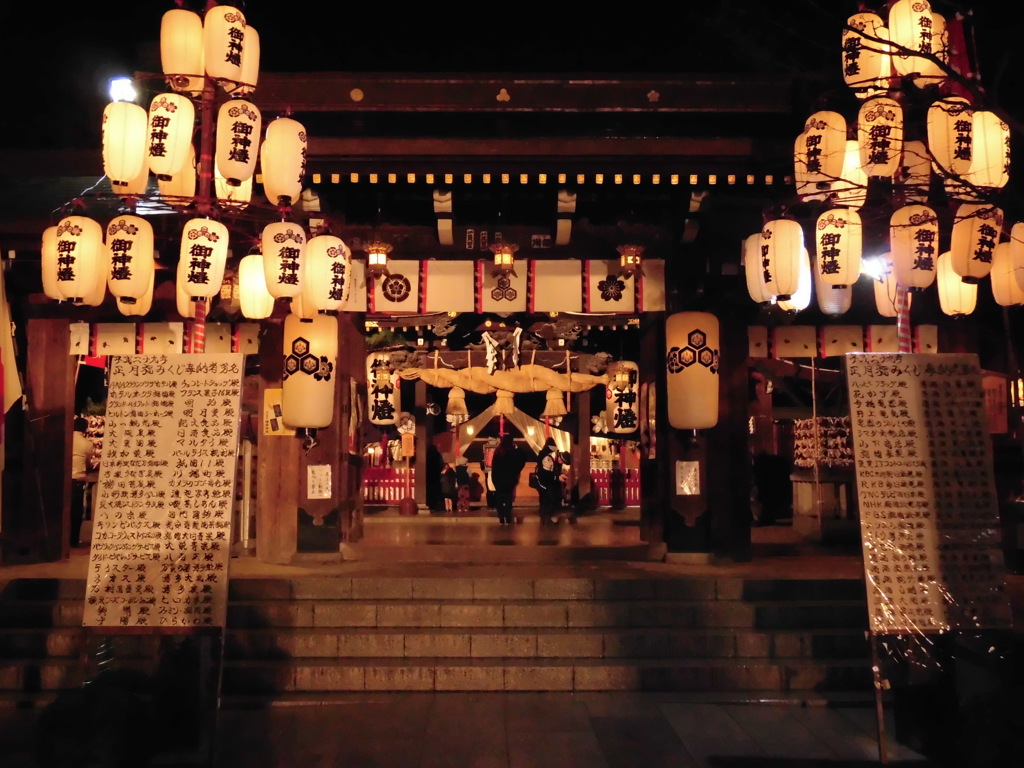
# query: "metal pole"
876 671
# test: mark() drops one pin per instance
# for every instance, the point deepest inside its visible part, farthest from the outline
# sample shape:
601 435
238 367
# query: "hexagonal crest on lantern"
687 356
291 364
300 347
697 338
310 364
706 357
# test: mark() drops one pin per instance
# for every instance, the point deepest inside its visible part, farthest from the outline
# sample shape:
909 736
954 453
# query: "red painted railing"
609 483
387 485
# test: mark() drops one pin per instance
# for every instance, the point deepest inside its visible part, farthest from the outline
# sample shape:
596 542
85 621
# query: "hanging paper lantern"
204 250
141 305
250 72
911 32
621 411
383 388
310 354
932 71
955 296
915 174
456 411
825 139
838 235
1007 278
169 139
301 307
182 301
223 42
48 263
80 257
801 298
179 191
327 273
833 300
851 189
886 291
95 294
256 301
181 50
238 135
977 228
124 143
754 271
782 241
867 62
990 163
283 244
691 364
914 245
129 246
880 136
229 196
135 187
283 161
950 135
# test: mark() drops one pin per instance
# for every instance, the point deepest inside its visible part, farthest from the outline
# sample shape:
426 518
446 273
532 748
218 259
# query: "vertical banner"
162 525
929 515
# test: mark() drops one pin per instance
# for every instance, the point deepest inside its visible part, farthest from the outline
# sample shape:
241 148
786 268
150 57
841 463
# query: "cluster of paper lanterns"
967 147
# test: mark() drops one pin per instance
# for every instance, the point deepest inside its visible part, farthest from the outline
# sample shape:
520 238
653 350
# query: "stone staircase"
316 637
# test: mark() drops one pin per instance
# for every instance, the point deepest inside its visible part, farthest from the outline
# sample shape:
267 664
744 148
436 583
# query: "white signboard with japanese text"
162 524
928 510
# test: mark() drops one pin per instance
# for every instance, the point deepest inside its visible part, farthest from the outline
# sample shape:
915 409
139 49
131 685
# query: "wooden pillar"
43 533
653 465
352 398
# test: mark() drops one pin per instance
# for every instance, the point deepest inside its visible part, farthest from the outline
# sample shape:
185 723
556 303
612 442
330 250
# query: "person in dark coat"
462 483
549 482
448 488
506 466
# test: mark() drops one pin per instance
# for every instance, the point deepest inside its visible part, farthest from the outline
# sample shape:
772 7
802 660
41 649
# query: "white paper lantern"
301 307
914 245
135 187
805 187
955 296
181 50
911 30
753 270
833 300
171 123
950 135
327 273
204 250
48 264
179 191
851 189
990 161
283 161
825 139
80 258
867 63
1007 278
932 72
915 175
250 71
124 143
283 244
256 301
886 292
231 197
239 124
838 241
97 292
130 259
621 412
224 42
977 228
691 365
182 301
140 306
801 298
782 243
383 389
310 355
880 136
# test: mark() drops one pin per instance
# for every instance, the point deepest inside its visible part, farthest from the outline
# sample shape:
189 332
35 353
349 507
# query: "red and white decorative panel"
501 293
607 290
397 291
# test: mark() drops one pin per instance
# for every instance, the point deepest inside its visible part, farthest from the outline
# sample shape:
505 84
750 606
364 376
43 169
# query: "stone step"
469 554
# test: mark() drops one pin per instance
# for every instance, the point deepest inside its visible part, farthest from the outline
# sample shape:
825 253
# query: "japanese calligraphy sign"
162 529
928 510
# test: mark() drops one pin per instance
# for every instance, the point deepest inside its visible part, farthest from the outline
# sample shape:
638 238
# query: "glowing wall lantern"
231 197
169 138
621 412
782 242
950 134
181 50
79 249
851 190
327 273
129 246
990 163
955 296
867 63
630 259
310 354
377 258
204 250
283 244
256 301
911 30
833 300
691 366
880 136
825 140
1007 278
223 42
838 238
976 231
124 143
238 135
141 305
250 71
914 245
754 271
915 175
383 388
801 298
48 261
283 161
179 190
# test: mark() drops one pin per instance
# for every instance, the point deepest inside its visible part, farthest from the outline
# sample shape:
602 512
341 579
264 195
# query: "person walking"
506 466
549 482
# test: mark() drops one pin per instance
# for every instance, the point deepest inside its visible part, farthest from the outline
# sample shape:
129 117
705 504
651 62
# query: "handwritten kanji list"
928 509
162 527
